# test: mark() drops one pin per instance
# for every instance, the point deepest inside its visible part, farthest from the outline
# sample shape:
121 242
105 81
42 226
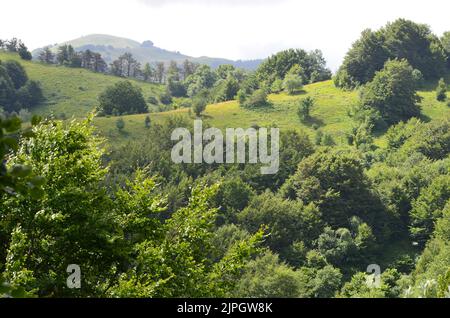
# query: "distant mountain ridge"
111 47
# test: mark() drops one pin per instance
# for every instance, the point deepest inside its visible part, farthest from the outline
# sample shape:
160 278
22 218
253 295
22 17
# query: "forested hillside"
363 179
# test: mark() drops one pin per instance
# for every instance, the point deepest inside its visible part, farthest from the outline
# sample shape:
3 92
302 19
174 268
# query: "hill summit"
111 47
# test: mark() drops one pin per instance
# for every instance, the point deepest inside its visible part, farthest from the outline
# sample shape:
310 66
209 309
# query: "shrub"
176 88
122 98
120 124
277 86
257 99
441 91
165 98
393 92
16 72
304 108
292 83
241 97
153 100
199 106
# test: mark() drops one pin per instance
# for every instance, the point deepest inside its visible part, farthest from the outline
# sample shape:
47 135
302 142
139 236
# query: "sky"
234 29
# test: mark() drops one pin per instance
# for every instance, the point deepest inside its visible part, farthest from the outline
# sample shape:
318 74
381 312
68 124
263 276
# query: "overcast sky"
235 29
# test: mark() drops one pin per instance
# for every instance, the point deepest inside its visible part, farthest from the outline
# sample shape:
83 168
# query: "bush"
318 137
362 114
199 106
304 108
429 207
120 124
147 122
30 94
267 276
241 97
312 64
441 91
257 99
176 88
153 100
165 98
7 92
292 83
401 39
16 72
232 197
398 134
25 54
288 221
122 98
16 91
327 140
227 89
431 140
392 92
277 86
336 182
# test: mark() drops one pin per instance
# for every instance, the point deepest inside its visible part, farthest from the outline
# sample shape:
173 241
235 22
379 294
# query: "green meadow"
330 114
73 93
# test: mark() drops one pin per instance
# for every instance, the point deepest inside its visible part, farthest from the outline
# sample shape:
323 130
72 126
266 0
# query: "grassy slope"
329 113
71 91
74 92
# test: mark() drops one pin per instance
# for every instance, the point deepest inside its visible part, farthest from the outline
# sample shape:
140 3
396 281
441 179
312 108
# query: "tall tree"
16 72
59 225
401 39
393 92
46 56
446 43
188 68
126 66
7 91
414 42
87 59
62 57
366 56
148 72
278 65
12 45
173 72
160 71
122 98
441 90
24 53
98 63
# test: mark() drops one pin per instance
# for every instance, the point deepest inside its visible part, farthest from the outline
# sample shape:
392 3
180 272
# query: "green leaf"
37 181
12 124
36 120
36 193
28 133
20 171
10 142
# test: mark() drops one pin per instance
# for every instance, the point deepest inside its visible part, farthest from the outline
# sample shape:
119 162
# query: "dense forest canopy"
401 39
139 225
